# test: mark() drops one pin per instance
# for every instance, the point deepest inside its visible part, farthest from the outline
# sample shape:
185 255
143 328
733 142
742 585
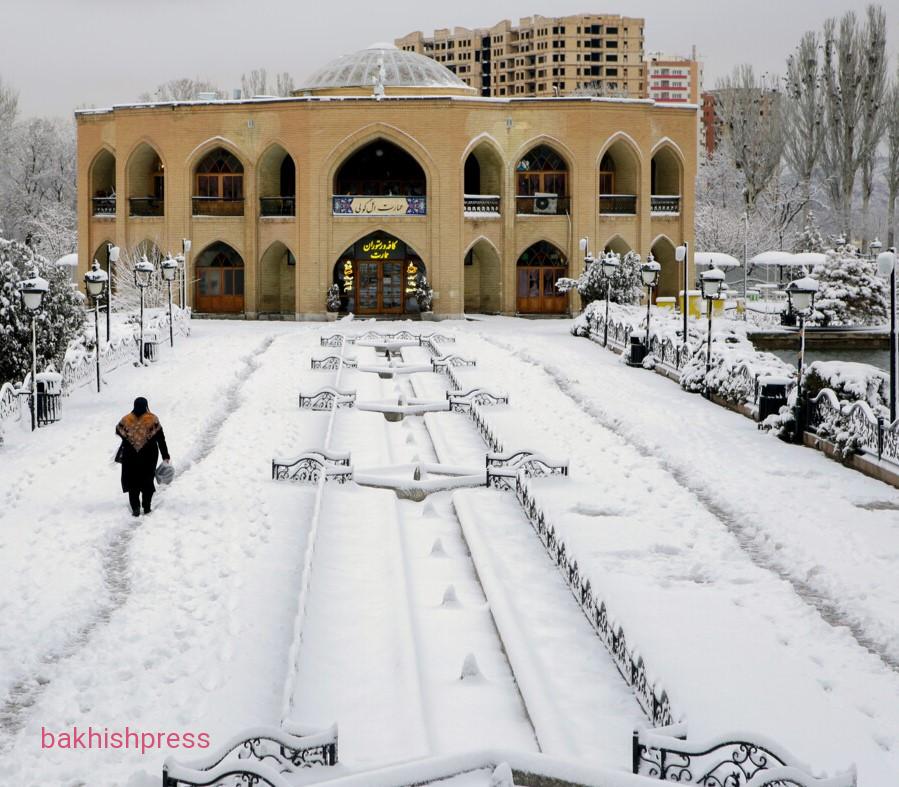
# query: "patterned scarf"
138 430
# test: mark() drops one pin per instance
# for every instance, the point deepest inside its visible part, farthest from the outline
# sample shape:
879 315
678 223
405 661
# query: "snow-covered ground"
759 579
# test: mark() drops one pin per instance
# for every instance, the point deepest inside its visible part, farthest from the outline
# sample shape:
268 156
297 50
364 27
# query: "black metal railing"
216 206
623 204
146 206
482 203
542 205
103 206
277 206
664 203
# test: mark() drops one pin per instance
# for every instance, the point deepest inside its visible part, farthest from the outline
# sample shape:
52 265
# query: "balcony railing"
542 205
277 206
378 205
622 204
146 206
216 206
665 203
104 206
482 203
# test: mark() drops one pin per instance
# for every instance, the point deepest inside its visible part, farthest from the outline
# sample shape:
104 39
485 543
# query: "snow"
757 579
716 259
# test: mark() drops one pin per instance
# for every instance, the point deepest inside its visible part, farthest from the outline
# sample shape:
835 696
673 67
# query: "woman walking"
142 442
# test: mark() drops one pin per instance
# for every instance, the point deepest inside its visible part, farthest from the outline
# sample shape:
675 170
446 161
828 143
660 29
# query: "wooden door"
220 290
537 293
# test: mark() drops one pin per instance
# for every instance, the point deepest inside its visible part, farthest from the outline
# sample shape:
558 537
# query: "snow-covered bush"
333 298
849 291
60 319
851 382
626 285
424 295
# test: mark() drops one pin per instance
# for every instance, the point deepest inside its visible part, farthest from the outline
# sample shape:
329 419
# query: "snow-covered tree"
126 293
626 283
60 319
849 291
892 166
183 89
810 239
257 83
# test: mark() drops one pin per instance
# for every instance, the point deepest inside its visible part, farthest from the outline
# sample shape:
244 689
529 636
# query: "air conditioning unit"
546 203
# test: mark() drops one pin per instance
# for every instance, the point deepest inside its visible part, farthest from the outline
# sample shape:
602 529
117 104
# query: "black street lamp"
33 292
143 272
95 282
112 253
682 254
712 285
169 270
650 271
801 295
886 267
185 251
609 266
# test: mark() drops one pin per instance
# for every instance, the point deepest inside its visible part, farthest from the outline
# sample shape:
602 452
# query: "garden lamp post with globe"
682 254
169 268
95 282
112 254
609 266
712 284
143 272
801 294
33 292
185 251
650 272
886 267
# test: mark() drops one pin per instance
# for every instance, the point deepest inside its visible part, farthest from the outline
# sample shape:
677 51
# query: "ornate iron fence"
332 363
462 402
309 467
327 397
103 206
664 203
730 761
503 469
260 755
486 431
482 203
630 664
442 363
621 204
853 425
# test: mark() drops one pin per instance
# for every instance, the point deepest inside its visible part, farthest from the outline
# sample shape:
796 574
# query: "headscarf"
140 406
139 426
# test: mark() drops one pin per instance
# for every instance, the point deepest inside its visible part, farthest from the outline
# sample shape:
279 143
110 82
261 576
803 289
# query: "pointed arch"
217 179
276 174
277 280
666 177
207 145
543 168
102 180
618 245
482 277
619 172
477 240
538 268
483 168
220 276
662 249
145 180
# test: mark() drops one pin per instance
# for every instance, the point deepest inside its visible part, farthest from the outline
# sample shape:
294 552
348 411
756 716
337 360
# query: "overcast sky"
61 54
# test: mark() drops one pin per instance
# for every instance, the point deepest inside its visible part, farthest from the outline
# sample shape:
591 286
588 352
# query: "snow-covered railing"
503 469
670 355
486 431
326 398
462 401
619 330
308 467
853 426
653 699
736 759
332 362
256 755
481 203
442 363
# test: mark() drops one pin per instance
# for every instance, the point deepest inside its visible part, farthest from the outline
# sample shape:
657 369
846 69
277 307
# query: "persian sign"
379 206
380 249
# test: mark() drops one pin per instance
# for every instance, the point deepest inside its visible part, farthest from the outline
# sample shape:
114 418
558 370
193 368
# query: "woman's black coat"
139 467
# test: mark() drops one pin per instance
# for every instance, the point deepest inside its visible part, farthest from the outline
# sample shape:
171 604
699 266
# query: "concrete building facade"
380 171
542 56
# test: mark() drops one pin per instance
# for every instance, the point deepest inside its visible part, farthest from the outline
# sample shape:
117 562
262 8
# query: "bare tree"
184 89
284 84
752 119
9 108
256 83
891 111
803 113
874 119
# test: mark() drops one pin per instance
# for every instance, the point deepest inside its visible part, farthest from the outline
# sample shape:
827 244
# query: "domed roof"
401 70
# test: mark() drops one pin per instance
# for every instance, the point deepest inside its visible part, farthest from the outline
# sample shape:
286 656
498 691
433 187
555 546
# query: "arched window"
607 175
539 267
218 187
542 182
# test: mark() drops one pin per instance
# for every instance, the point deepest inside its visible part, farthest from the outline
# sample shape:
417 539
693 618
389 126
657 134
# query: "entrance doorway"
539 268
220 280
379 274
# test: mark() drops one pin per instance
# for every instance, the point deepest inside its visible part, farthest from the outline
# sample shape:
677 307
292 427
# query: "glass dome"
402 70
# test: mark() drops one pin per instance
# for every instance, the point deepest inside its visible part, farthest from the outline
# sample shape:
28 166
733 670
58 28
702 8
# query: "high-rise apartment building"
598 54
673 80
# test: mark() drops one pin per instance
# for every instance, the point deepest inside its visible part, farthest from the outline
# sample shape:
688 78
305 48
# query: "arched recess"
379 274
542 181
277 174
666 180
277 280
619 178
482 271
101 255
103 184
219 273
381 178
538 269
669 278
146 182
149 249
483 178
218 188
618 245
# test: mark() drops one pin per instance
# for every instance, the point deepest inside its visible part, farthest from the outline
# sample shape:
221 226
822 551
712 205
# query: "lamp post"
95 281
650 271
745 260
112 253
801 294
143 271
682 254
185 251
169 271
33 292
886 266
712 282
609 266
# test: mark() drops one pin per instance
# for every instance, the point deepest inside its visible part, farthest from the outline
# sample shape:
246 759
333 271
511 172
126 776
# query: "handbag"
120 454
165 473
